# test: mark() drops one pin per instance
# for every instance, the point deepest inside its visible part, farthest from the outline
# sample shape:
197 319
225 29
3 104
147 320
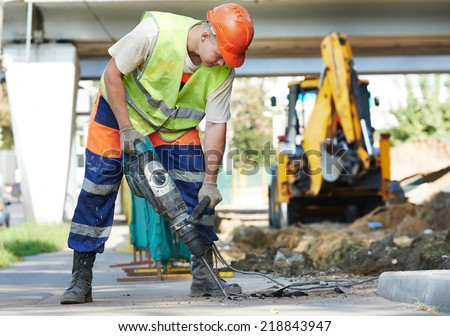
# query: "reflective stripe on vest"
155 102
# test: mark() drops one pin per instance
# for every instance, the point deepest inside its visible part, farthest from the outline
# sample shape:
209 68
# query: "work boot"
203 284
80 288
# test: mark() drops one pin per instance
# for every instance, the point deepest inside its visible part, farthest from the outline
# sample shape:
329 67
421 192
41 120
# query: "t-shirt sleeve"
133 49
218 102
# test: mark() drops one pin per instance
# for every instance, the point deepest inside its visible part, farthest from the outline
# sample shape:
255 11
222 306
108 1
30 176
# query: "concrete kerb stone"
428 287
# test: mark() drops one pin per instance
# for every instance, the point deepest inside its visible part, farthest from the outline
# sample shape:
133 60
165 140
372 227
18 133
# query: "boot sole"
80 299
202 293
212 292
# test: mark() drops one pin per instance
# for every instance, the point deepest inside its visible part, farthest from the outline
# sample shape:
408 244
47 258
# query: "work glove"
127 138
210 189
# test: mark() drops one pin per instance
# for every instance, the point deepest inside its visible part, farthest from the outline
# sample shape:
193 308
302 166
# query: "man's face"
209 51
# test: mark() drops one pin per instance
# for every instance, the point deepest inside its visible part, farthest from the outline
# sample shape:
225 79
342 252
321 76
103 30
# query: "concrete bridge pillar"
42 95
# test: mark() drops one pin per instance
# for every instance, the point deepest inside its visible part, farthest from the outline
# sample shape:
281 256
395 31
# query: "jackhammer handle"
140 146
199 209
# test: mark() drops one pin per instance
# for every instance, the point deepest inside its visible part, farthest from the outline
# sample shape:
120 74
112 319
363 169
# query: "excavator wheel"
278 211
351 213
282 214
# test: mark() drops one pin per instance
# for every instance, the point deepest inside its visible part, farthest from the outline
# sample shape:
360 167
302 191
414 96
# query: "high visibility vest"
154 99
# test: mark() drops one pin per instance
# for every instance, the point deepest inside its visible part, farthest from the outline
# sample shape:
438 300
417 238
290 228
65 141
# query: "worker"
163 78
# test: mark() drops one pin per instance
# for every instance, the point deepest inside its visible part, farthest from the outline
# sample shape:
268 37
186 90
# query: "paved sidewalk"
33 288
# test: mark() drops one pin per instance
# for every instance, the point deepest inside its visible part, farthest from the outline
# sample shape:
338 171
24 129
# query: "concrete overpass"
387 36
49 45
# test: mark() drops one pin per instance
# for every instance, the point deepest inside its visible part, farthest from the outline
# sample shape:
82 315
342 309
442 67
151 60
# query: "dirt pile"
405 237
430 251
407 218
419 157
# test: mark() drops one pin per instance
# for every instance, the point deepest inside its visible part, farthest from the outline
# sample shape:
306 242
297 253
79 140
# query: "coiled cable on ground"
303 286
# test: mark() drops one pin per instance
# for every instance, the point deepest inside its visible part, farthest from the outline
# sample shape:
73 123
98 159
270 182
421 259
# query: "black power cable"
302 286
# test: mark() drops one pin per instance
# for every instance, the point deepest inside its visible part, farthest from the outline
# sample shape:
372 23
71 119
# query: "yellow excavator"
327 165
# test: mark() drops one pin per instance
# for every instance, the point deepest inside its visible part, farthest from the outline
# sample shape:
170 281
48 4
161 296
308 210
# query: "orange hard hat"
233 27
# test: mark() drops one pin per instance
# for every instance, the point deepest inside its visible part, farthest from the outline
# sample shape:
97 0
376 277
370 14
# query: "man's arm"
217 114
214 147
127 54
115 92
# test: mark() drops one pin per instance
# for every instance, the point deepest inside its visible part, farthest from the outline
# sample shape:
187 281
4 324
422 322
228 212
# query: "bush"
427 109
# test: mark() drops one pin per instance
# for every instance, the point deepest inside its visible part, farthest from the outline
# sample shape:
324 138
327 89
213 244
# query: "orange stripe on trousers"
103 140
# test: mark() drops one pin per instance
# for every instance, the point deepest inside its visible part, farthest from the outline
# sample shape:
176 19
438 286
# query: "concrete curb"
428 287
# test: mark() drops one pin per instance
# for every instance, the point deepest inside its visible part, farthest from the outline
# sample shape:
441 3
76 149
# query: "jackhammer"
147 178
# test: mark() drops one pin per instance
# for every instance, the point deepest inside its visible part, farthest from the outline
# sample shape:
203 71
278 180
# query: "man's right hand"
210 190
127 138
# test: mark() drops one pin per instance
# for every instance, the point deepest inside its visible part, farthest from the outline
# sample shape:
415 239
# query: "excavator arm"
335 110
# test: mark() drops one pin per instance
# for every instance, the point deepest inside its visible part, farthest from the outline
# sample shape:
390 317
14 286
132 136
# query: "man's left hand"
210 189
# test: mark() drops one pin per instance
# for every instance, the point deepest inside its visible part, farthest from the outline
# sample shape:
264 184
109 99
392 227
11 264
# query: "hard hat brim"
234 61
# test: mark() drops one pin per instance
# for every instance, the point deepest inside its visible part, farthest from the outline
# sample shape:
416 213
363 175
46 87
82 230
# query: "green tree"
427 110
252 127
6 134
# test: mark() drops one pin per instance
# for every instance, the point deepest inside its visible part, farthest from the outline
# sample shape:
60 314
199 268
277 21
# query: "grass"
31 239
429 309
438 251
